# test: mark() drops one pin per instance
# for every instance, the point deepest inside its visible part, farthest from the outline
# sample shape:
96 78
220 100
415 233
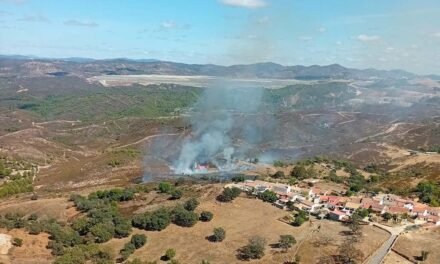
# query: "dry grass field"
33 250
243 219
58 208
411 244
394 258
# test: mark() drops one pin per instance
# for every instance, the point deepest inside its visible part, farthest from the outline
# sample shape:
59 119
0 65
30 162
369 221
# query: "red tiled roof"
397 210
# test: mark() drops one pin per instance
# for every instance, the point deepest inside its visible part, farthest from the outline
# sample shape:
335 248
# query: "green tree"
155 221
254 249
278 175
387 216
35 228
81 225
191 204
176 194
354 224
229 194
138 240
103 232
165 187
182 217
299 172
300 218
268 196
349 253
128 249
206 216
170 253
286 241
218 235
122 227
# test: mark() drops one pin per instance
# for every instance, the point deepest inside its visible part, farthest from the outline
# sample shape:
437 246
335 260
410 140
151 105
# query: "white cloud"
34 18
305 38
437 34
245 3
322 29
367 38
168 24
77 23
263 20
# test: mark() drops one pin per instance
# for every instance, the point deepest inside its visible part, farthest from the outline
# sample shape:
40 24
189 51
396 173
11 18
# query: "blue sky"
387 34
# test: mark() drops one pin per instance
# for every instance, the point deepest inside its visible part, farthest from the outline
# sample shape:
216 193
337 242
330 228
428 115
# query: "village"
333 205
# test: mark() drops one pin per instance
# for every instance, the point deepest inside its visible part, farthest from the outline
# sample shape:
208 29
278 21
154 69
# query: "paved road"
380 254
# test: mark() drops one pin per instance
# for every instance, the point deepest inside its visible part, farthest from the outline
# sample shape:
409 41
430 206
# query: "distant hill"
28 66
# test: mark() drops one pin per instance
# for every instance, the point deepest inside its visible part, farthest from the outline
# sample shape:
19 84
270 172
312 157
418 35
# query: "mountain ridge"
30 66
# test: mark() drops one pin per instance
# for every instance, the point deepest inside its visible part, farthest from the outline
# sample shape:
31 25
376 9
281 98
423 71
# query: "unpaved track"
387 131
145 139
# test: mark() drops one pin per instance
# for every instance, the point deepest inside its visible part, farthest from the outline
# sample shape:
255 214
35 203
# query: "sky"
391 34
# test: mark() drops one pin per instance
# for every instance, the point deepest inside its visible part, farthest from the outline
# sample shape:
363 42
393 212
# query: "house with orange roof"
431 219
397 210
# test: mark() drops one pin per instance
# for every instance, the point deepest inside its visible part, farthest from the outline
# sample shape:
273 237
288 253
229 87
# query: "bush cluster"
229 194
137 241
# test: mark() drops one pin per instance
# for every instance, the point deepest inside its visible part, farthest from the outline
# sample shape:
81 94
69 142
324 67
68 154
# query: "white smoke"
213 123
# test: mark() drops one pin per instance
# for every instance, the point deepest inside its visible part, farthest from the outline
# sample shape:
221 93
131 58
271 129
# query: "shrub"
254 249
122 227
300 218
33 217
206 216
229 194
165 187
218 235
156 221
103 232
238 178
128 249
138 240
268 196
176 194
17 242
182 217
170 254
286 241
57 248
84 254
279 163
35 228
299 172
278 175
191 204
81 225
387 216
